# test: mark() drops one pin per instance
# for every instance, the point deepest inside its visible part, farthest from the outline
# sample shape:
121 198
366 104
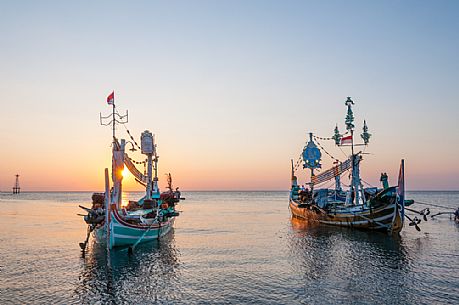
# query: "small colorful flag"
111 98
346 140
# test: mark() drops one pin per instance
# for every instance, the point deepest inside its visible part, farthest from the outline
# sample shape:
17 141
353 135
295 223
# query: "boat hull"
386 218
123 233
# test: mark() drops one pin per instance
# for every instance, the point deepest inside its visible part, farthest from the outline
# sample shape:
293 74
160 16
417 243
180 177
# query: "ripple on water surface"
226 248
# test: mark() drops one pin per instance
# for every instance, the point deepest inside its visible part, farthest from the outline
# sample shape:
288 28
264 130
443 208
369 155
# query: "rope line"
322 138
434 205
366 182
129 133
328 138
137 162
345 155
328 185
318 143
297 164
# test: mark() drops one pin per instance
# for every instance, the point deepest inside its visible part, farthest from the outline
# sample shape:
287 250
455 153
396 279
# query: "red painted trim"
127 224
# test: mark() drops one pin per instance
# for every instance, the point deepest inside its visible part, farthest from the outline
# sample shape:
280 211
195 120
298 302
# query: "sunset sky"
230 88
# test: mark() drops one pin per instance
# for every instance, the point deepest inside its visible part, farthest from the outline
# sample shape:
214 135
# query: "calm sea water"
227 248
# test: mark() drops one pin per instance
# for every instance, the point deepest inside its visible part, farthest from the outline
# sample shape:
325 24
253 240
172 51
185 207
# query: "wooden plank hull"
386 218
123 233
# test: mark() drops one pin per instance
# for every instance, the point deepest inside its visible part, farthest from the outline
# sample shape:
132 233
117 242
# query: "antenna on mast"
113 118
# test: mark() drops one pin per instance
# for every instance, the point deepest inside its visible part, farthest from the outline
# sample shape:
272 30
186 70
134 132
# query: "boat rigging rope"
328 138
328 185
345 155
434 205
331 138
297 164
318 143
134 170
129 133
321 138
134 143
366 182
132 138
136 162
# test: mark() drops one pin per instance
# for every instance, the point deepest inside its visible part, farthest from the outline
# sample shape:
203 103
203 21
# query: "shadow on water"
148 275
350 265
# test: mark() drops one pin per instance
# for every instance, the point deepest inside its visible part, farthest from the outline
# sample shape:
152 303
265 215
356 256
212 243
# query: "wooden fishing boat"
371 208
149 218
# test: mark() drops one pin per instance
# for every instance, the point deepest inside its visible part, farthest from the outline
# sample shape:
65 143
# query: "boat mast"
113 121
149 174
355 172
148 148
155 179
311 158
117 150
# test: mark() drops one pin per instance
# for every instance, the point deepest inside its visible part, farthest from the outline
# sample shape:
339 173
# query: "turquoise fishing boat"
116 224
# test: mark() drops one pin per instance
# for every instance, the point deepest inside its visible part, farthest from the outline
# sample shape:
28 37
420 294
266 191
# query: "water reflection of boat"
341 266
149 276
371 208
147 219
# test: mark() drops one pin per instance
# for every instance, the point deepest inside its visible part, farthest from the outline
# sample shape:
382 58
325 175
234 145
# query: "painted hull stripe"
386 220
117 219
134 238
360 222
343 221
349 214
365 212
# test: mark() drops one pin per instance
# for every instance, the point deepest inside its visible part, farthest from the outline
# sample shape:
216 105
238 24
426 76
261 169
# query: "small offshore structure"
16 187
371 208
149 218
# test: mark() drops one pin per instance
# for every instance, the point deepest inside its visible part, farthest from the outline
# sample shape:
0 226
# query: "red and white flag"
346 140
111 98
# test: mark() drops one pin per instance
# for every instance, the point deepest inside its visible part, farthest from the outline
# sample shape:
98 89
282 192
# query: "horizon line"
255 190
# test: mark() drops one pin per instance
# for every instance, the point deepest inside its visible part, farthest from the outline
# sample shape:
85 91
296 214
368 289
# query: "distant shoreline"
205 191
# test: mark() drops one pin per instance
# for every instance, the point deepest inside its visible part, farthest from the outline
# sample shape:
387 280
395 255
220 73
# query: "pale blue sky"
229 87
